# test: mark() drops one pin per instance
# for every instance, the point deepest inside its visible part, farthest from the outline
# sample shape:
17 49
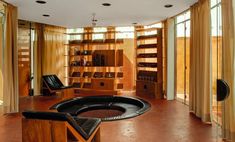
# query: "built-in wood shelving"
94 64
94 42
147 55
149 80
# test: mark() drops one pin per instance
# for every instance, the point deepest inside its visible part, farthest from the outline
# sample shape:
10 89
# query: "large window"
99 33
216 50
125 32
182 56
74 34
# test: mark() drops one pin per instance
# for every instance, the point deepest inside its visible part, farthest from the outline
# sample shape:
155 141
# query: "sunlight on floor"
180 97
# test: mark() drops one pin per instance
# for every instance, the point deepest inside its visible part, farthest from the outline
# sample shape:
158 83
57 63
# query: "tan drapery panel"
228 69
53 51
1 49
49 54
165 45
39 41
10 67
199 88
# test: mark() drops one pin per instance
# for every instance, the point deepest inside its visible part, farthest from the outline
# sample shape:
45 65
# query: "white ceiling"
78 13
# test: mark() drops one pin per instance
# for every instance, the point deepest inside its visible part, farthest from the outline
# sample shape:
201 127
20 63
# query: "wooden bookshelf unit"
95 65
149 80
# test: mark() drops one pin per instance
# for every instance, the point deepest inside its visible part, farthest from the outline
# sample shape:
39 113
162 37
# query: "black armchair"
59 127
52 84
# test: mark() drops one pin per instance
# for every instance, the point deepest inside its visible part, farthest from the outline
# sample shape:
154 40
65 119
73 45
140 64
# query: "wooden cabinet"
103 83
95 64
149 88
149 80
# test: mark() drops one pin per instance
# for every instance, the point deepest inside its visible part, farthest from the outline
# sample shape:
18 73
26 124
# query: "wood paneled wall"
128 64
24 58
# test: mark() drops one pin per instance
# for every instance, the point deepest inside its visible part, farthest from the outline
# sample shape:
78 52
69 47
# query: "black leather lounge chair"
58 127
52 84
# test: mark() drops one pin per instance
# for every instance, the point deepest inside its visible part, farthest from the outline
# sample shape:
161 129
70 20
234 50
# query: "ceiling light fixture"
94 20
41 2
46 15
134 23
168 5
106 4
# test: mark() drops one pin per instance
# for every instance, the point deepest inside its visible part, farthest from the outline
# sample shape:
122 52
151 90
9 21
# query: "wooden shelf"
148 29
77 55
147 65
105 61
144 46
87 85
73 77
147 55
149 73
149 81
145 37
95 42
94 66
76 85
107 75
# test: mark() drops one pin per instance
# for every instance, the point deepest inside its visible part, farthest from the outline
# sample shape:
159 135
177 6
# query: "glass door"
182 57
180 51
216 53
187 60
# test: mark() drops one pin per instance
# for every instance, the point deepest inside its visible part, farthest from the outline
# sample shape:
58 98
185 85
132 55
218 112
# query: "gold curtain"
165 45
199 88
49 53
38 44
1 49
10 66
53 51
228 69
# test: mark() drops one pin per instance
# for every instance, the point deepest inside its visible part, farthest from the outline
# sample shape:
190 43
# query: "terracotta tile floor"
167 121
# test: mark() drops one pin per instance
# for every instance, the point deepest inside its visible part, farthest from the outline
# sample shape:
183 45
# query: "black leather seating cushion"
223 90
84 126
54 82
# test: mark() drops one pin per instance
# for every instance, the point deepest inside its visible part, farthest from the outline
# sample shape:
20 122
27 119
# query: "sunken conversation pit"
107 108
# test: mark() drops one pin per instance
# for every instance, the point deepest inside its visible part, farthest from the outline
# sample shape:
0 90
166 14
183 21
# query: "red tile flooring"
167 121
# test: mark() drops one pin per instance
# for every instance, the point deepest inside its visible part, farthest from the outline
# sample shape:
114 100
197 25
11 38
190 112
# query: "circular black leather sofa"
129 106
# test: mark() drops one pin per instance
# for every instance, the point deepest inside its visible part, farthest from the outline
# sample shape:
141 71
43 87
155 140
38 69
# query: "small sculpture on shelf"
83 61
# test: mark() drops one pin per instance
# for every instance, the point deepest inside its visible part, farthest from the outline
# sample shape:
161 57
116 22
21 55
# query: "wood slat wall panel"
24 60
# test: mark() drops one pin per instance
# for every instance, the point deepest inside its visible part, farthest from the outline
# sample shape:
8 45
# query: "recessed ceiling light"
41 2
168 5
46 15
106 4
